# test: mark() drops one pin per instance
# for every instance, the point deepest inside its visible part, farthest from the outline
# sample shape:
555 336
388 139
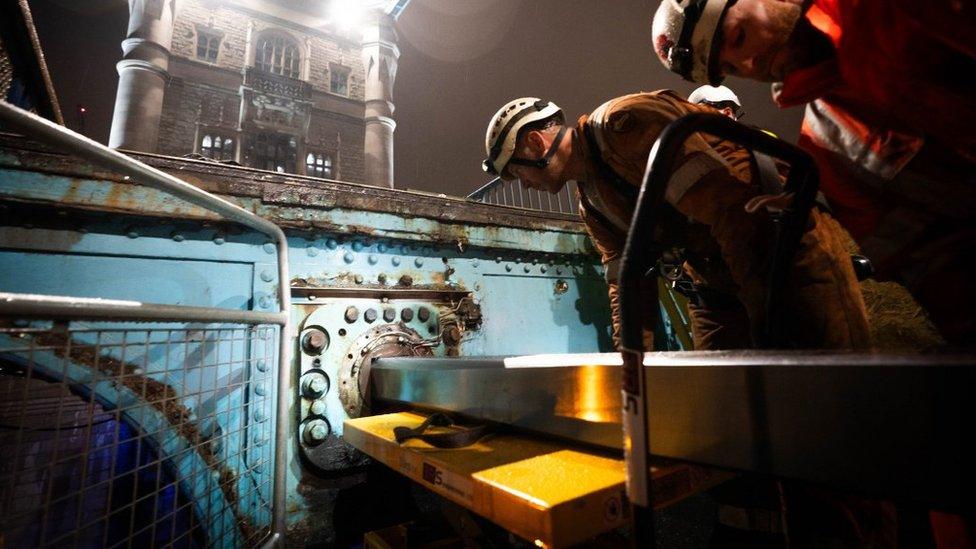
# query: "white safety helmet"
719 97
503 131
684 34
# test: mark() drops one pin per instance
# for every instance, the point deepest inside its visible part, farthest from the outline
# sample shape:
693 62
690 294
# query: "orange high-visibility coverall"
891 121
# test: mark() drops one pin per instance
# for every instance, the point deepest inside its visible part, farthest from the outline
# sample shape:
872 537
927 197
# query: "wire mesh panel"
159 436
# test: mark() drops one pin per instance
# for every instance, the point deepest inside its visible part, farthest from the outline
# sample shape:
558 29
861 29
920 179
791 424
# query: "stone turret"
143 72
380 56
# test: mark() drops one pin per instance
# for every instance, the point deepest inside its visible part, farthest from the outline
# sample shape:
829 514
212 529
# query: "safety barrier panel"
128 433
118 433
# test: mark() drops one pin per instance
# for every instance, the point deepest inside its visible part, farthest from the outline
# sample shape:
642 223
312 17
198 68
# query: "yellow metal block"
541 490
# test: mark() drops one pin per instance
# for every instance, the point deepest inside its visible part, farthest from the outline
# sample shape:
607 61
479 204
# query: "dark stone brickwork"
208 96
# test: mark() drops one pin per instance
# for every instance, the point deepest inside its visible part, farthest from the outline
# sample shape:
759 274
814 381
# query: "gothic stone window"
319 165
275 152
208 45
278 55
339 80
217 147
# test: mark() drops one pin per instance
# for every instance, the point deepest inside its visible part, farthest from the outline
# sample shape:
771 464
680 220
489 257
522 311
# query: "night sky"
460 60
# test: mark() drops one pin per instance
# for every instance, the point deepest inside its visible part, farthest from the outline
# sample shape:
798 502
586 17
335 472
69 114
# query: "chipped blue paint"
540 290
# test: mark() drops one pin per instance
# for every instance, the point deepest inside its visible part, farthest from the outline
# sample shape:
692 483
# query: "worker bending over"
726 249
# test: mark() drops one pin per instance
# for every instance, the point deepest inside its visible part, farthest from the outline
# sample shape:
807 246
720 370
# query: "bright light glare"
346 13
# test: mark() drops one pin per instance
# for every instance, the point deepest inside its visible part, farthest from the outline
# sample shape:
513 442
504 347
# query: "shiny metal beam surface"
890 425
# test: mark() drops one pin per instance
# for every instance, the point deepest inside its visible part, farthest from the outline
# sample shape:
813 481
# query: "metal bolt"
474 263
543 268
348 257
269 248
419 262
406 315
260 389
498 259
370 315
315 432
527 268
262 365
132 233
372 259
357 246
311 250
395 261
358 279
177 237
508 267
405 280
381 278
423 314
317 408
315 385
352 314
389 315
219 239
264 302
267 276
315 341
331 243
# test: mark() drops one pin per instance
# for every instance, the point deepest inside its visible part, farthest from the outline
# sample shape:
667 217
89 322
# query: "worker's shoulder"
630 112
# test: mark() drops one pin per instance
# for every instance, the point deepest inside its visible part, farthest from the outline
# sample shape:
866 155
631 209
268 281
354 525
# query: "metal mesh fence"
123 436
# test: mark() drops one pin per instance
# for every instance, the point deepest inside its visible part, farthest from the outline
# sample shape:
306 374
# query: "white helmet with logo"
503 131
684 34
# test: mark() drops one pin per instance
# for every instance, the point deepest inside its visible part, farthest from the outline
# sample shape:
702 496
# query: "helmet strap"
542 163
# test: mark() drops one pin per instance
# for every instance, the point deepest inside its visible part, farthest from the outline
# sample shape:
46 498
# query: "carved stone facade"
271 84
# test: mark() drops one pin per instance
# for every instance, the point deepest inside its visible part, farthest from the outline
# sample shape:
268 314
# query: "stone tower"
270 84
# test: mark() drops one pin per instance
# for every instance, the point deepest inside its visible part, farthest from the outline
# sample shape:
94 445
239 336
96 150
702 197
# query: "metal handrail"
76 308
641 253
513 193
48 132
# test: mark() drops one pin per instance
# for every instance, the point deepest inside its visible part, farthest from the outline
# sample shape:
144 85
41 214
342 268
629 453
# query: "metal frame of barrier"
641 253
77 309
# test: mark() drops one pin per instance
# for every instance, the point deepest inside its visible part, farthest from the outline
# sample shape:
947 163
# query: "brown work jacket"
726 247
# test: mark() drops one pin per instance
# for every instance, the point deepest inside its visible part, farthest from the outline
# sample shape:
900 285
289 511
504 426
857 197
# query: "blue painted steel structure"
493 280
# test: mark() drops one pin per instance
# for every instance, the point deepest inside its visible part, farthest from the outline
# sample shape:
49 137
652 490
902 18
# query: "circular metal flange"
382 341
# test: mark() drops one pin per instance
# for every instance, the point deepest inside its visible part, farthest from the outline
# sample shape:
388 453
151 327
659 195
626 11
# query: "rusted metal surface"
279 193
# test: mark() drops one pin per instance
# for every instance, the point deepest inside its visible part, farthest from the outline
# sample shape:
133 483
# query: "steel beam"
886 425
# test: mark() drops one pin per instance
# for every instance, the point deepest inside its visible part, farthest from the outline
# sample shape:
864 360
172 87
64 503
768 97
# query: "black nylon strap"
464 436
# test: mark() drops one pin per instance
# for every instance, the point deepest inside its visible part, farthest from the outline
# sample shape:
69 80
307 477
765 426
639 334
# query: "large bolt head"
370 315
315 341
423 314
314 385
389 315
352 314
315 432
